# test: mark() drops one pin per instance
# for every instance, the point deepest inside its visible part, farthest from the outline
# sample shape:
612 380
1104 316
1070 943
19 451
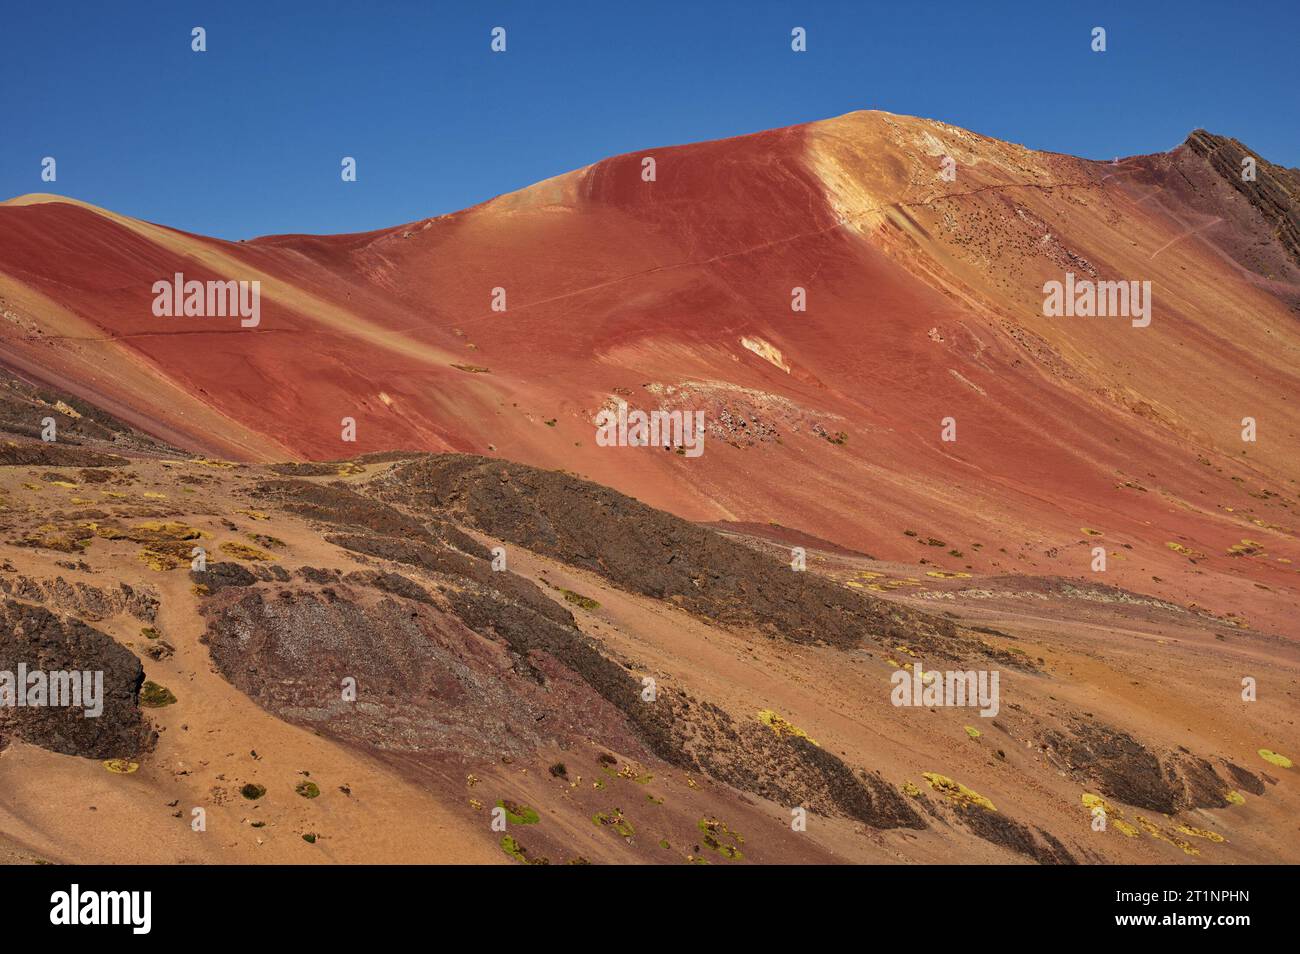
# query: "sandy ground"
1163 674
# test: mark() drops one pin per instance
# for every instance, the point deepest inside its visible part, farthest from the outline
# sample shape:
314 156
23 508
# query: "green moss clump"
252 791
517 814
513 848
308 789
577 599
310 838
614 819
154 696
720 838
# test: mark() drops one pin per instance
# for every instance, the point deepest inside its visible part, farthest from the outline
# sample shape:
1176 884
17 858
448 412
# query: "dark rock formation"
45 642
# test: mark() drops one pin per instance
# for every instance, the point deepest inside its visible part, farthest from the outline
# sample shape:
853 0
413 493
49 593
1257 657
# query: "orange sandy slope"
924 302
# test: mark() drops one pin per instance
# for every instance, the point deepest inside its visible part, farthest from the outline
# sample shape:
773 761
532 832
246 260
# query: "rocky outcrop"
42 642
1274 191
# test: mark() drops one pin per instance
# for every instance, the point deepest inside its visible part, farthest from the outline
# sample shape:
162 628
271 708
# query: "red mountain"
924 301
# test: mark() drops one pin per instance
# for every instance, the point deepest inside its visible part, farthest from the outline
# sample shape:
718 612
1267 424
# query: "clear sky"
247 138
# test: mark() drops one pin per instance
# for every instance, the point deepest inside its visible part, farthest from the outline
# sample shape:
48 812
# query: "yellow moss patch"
121 766
973 732
158 561
1235 798
170 529
63 483
1201 833
947 574
957 792
242 551
167 545
154 495
1091 532
151 531
255 514
1114 816
781 727
1185 551
1281 761
1091 801
1155 832
1264 524
49 536
912 790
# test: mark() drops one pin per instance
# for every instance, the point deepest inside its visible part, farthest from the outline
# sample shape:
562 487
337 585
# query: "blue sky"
246 139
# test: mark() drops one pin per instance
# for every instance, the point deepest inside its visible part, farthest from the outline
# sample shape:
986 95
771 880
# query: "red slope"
924 302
